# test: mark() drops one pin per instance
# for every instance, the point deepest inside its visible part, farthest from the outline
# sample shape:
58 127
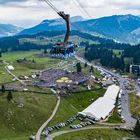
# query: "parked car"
32 137
93 122
45 133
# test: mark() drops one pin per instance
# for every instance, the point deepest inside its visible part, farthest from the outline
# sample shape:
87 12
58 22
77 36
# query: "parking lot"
83 122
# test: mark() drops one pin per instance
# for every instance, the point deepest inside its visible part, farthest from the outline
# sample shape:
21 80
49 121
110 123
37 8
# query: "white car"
119 110
25 89
32 137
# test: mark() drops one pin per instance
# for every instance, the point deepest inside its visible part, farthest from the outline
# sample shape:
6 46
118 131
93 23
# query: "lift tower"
66 17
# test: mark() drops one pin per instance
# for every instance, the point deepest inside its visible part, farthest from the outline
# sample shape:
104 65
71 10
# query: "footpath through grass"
17 123
4 75
25 68
73 103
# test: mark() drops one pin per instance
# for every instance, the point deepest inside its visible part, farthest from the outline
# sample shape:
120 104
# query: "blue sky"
26 13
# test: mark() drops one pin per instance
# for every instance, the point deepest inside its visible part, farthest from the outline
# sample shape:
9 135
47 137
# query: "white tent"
112 92
10 67
138 94
103 106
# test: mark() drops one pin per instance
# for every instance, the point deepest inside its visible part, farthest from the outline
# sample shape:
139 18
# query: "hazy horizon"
27 13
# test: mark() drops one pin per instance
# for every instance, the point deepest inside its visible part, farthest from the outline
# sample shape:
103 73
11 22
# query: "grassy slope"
117 52
69 105
54 40
74 103
83 100
65 111
25 68
4 76
115 118
11 58
94 134
134 105
21 122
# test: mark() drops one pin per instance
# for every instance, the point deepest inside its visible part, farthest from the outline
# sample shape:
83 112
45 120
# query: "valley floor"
27 111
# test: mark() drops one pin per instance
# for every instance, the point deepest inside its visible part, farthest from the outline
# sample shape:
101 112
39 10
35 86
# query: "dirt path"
51 117
6 67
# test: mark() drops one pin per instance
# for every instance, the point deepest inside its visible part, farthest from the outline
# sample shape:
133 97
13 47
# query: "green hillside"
16 121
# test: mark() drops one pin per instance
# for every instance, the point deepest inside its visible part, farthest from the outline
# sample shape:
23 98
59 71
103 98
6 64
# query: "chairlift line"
63 49
48 2
66 17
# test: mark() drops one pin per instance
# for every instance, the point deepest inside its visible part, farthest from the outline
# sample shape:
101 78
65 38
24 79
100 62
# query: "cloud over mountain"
22 11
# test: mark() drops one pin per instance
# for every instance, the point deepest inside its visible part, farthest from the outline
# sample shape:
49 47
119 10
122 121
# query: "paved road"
52 136
38 135
129 120
125 103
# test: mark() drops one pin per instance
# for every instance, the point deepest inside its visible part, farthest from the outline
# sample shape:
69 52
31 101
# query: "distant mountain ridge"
61 21
9 30
122 28
117 27
51 25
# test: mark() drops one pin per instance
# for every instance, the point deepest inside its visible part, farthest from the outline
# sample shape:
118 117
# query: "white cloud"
125 4
31 12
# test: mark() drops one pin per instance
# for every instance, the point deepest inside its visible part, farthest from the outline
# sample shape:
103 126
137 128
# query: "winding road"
129 120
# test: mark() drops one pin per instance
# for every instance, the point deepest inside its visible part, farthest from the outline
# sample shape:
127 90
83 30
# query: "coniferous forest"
103 51
105 55
107 58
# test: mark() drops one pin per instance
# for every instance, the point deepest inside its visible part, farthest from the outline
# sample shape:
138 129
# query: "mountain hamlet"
71 78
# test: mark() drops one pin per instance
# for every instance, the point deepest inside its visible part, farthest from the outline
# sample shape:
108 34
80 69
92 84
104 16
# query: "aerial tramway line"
64 49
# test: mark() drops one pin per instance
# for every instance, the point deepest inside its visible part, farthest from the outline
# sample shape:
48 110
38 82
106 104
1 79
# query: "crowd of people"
49 78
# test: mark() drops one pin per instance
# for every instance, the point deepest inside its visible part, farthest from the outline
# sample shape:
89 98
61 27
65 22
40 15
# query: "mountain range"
51 25
121 28
9 30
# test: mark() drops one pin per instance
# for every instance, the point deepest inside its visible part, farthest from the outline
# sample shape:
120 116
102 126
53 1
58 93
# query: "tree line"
105 56
13 44
134 53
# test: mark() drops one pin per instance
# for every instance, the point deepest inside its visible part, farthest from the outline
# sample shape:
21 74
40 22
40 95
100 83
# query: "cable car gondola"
64 49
